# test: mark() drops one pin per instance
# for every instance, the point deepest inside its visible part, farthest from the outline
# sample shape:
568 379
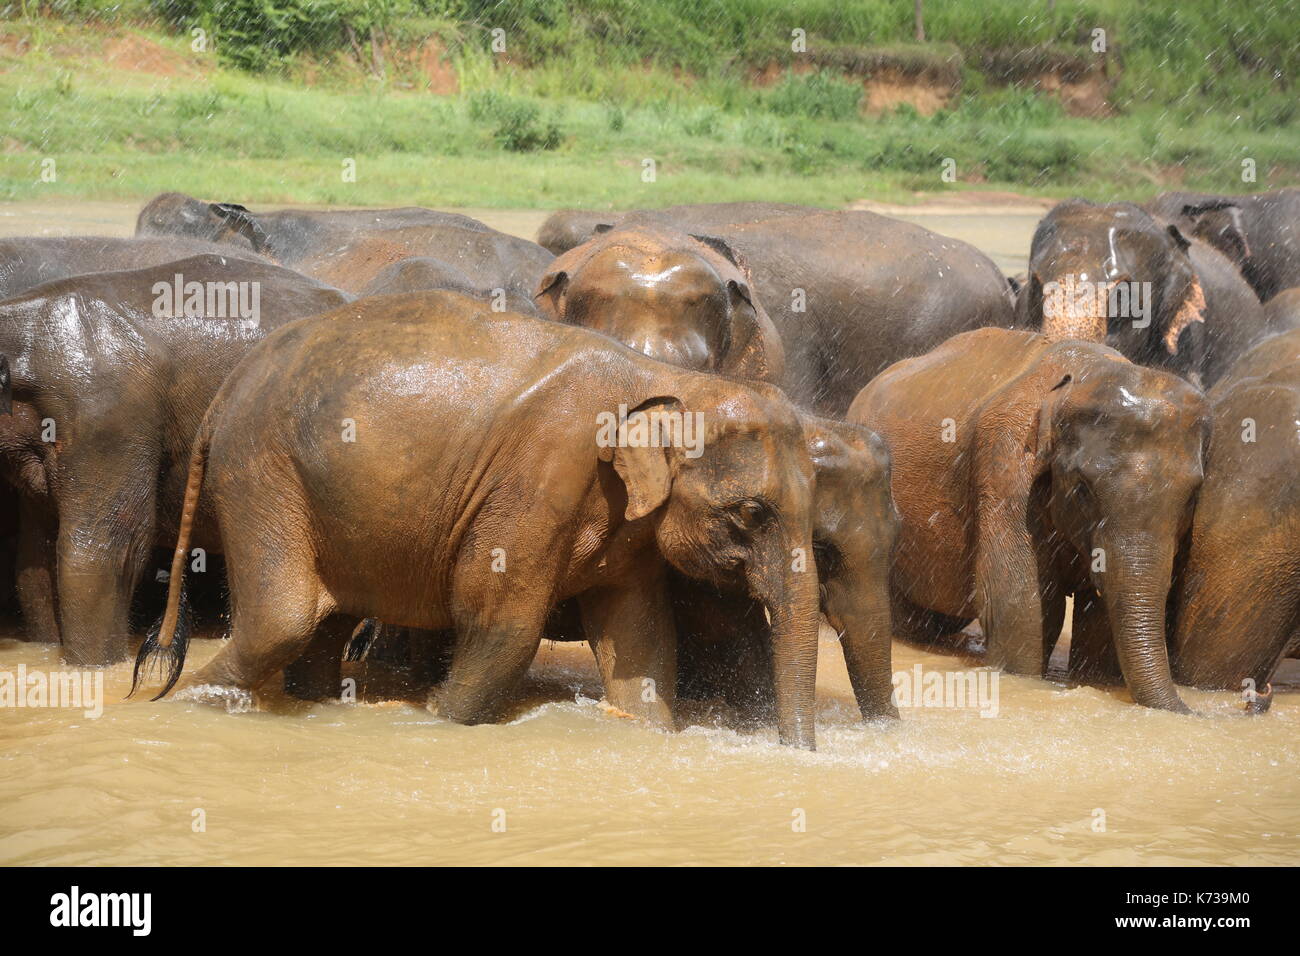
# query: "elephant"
1282 312
1259 233
566 228
111 376
723 635
687 300
1238 592
29 261
348 249
848 291
425 272
1027 469
498 465
1112 273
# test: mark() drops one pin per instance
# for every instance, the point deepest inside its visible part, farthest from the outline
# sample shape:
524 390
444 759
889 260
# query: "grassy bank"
125 111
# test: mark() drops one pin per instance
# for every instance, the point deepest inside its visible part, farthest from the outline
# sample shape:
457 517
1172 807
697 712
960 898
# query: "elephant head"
6 387
855 525
1112 273
730 499
175 214
685 300
1121 449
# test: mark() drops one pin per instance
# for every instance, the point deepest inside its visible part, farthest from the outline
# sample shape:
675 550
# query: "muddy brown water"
1054 773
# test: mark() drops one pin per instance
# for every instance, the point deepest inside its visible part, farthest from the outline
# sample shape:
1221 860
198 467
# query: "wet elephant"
1113 273
1238 594
111 375
348 249
723 636
488 479
685 300
420 273
566 228
848 291
29 261
1259 233
1027 470
1282 312
688 300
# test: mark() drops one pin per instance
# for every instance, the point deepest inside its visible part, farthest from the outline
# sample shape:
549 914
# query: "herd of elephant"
895 439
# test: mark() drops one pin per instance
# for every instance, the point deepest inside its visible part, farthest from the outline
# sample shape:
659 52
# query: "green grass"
574 129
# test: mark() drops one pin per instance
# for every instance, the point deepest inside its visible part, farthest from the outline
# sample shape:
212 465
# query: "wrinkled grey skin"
29 261
421 273
1203 314
125 391
849 292
1238 593
1259 233
348 249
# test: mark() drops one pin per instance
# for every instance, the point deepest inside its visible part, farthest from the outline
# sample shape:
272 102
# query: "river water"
1042 772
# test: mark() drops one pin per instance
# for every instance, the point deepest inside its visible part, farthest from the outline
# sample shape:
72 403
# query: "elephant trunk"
1135 589
792 602
857 606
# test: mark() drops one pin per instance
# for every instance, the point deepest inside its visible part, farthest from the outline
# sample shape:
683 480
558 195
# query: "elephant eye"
749 515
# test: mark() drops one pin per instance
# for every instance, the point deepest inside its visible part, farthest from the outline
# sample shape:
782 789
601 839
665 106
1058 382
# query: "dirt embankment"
927 78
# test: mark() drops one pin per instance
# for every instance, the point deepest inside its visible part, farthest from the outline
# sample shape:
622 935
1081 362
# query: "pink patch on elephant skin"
1076 310
1192 310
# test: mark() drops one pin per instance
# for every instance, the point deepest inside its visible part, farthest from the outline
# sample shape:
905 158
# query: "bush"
815 95
517 124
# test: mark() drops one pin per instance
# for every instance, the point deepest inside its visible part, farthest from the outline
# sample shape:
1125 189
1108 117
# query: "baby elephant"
723 637
422 460
1026 470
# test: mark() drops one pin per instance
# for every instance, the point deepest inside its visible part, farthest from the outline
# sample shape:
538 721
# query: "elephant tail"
163 650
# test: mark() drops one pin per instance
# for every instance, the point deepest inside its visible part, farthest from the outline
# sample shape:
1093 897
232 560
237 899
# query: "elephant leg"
1093 659
36 577
318 673
492 652
277 604
635 642
100 564
1013 613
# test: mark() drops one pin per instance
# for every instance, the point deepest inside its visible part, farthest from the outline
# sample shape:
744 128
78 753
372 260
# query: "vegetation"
282 92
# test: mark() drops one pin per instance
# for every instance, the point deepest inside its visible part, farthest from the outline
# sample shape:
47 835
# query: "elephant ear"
724 249
243 222
639 456
1191 304
6 387
754 349
551 293
1220 224
1042 435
